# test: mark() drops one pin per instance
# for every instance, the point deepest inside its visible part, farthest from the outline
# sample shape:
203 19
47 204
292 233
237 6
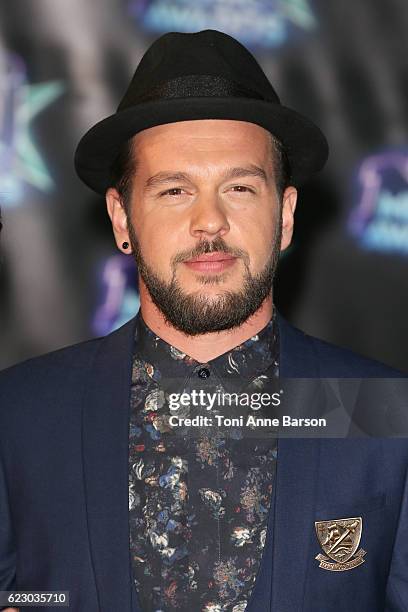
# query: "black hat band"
192 86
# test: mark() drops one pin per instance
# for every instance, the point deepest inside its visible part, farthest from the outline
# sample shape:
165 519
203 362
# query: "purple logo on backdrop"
380 219
120 298
265 23
20 160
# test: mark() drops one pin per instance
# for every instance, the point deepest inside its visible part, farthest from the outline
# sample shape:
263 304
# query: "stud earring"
125 245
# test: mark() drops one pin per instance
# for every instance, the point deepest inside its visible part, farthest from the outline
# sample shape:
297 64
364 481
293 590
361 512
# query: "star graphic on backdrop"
35 98
21 159
299 12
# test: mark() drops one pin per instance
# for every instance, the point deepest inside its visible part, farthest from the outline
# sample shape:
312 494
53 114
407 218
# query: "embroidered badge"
340 539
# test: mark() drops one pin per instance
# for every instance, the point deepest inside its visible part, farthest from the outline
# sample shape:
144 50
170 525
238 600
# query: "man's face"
201 188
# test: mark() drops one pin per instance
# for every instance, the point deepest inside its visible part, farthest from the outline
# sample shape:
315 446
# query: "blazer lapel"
105 459
295 486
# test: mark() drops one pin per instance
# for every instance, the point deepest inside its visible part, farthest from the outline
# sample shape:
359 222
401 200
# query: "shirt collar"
244 362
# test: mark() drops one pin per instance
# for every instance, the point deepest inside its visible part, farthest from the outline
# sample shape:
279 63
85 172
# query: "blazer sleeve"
7 549
397 585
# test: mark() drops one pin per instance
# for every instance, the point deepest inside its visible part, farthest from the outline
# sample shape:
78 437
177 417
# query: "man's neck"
208 346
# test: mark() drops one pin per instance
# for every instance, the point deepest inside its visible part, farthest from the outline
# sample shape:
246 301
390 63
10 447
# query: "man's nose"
208 217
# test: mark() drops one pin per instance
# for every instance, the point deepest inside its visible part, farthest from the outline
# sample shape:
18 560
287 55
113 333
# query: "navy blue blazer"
64 487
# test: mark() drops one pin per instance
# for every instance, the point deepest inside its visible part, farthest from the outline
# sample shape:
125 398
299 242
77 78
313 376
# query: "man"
100 496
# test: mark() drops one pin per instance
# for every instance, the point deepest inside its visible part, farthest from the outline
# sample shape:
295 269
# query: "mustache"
206 246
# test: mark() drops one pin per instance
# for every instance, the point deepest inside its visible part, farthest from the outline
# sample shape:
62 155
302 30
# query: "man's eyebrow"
251 170
162 178
165 177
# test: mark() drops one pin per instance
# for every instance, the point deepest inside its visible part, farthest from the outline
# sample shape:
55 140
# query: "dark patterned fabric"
198 499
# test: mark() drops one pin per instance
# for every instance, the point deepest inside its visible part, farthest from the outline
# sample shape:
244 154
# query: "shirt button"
203 372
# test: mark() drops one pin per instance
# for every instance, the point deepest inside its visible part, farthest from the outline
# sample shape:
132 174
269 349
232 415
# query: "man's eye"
174 191
242 189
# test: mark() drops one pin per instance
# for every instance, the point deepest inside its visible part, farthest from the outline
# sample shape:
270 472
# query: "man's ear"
118 218
288 212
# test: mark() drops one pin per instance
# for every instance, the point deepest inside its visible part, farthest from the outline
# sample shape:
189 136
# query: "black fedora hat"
201 75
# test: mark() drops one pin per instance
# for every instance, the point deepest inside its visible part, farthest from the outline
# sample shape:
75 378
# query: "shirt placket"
203 378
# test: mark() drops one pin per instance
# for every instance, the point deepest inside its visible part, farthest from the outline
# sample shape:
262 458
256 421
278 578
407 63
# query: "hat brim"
305 144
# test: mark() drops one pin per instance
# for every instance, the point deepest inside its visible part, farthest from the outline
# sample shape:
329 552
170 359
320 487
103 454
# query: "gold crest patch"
339 540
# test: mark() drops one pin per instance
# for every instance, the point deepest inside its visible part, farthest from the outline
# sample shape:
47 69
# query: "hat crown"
191 77
179 63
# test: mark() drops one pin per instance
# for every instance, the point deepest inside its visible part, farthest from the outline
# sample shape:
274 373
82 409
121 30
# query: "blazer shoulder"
353 363
67 359
350 363
65 366
306 355
58 381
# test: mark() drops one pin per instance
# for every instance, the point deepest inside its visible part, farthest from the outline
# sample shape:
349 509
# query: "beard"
200 313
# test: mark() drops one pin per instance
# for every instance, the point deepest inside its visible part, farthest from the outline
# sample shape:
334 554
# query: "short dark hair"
124 167
281 165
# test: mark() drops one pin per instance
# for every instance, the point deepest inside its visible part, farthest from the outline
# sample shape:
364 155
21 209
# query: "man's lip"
211 257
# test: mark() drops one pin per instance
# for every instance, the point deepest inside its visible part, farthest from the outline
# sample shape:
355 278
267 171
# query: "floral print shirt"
198 499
